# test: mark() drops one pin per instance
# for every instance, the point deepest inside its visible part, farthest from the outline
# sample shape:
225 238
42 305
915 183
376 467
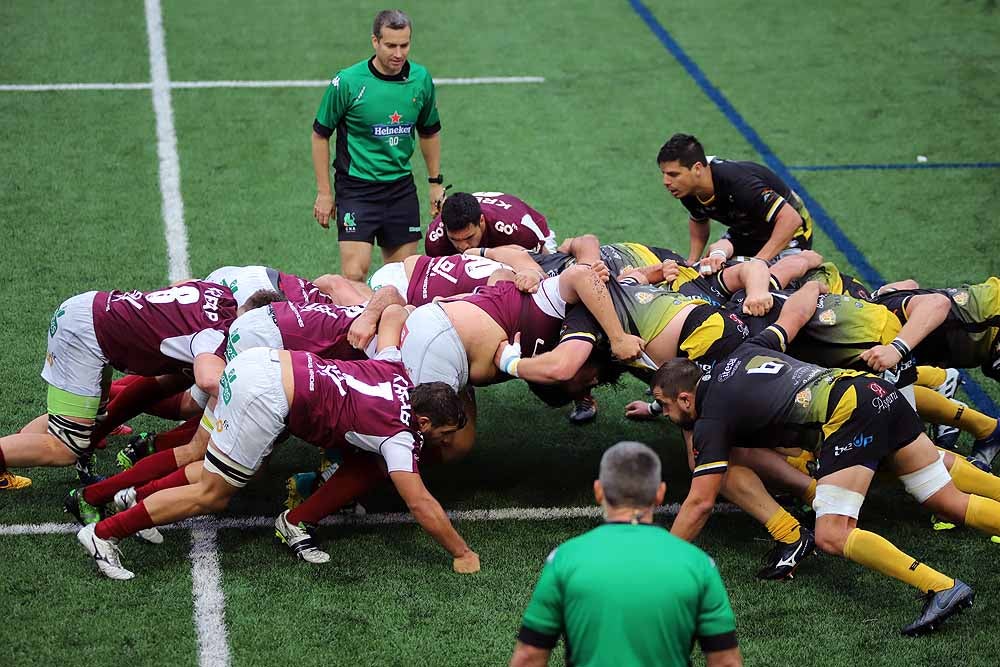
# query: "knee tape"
832 499
74 435
924 483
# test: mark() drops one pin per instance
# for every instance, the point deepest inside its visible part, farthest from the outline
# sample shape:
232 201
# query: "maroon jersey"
154 333
363 403
509 221
317 327
448 276
300 290
538 317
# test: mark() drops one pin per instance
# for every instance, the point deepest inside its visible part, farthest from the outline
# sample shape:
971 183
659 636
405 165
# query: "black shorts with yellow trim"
867 421
710 334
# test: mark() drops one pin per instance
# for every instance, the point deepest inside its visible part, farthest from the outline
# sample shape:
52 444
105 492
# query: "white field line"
500 514
166 147
209 600
289 83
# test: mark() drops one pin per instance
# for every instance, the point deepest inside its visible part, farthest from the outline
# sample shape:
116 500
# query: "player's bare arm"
697 507
924 314
785 225
582 284
432 518
698 232
365 326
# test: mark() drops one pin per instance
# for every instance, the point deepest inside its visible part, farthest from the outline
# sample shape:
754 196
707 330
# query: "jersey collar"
403 75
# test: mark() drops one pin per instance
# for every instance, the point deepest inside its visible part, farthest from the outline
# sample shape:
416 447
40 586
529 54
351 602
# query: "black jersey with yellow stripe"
754 393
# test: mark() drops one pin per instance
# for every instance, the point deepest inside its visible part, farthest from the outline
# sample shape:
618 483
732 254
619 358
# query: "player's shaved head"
393 19
675 376
684 149
459 211
630 475
439 403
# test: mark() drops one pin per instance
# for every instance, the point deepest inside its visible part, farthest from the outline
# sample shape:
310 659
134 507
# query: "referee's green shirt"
629 594
376 118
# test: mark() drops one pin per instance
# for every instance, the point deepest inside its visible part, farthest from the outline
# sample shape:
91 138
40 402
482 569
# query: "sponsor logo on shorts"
415 229
221 425
877 389
234 337
54 324
350 224
226 381
828 317
804 397
883 404
961 297
860 441
51 359
644 297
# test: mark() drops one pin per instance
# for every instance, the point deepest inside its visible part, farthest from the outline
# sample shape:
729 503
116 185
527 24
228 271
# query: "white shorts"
249 416
393 273
432 350
243 281
255 328
74 361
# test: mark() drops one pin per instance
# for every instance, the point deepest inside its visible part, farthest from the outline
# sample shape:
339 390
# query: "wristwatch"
439 179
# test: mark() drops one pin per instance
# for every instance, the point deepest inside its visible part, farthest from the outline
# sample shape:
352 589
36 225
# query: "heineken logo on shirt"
395 127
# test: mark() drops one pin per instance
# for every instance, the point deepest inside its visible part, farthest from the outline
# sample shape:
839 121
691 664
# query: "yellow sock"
983 514
931 376
937 409
810 495
972 480
877 553
783 527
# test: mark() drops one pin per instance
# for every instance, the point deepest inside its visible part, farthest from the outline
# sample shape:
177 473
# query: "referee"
376 106
628 592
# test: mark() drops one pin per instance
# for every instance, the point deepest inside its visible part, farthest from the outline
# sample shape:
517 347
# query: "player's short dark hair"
683 148
459 211
630 475
438 402
263 297
676 375
394 19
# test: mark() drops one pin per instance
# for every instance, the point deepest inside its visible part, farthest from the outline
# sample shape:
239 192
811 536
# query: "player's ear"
482 220
661 492
598 492
423 423
374 41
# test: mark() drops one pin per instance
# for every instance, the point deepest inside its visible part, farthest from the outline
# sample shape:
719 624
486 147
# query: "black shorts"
369 211
880 423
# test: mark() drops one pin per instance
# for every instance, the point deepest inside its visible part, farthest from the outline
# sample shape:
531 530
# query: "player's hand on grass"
758 304
323 209
639 410
628 347
362 331
467 563
881 357
527 281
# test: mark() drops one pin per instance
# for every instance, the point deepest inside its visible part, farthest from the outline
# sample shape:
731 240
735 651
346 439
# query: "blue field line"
879 167
866 271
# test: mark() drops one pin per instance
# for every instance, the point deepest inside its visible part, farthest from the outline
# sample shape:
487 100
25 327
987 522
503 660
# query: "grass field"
815 90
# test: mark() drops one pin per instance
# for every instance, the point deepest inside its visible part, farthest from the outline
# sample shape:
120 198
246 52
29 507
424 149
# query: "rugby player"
958 327
758 395
487 220
764 216
371 405
164 335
